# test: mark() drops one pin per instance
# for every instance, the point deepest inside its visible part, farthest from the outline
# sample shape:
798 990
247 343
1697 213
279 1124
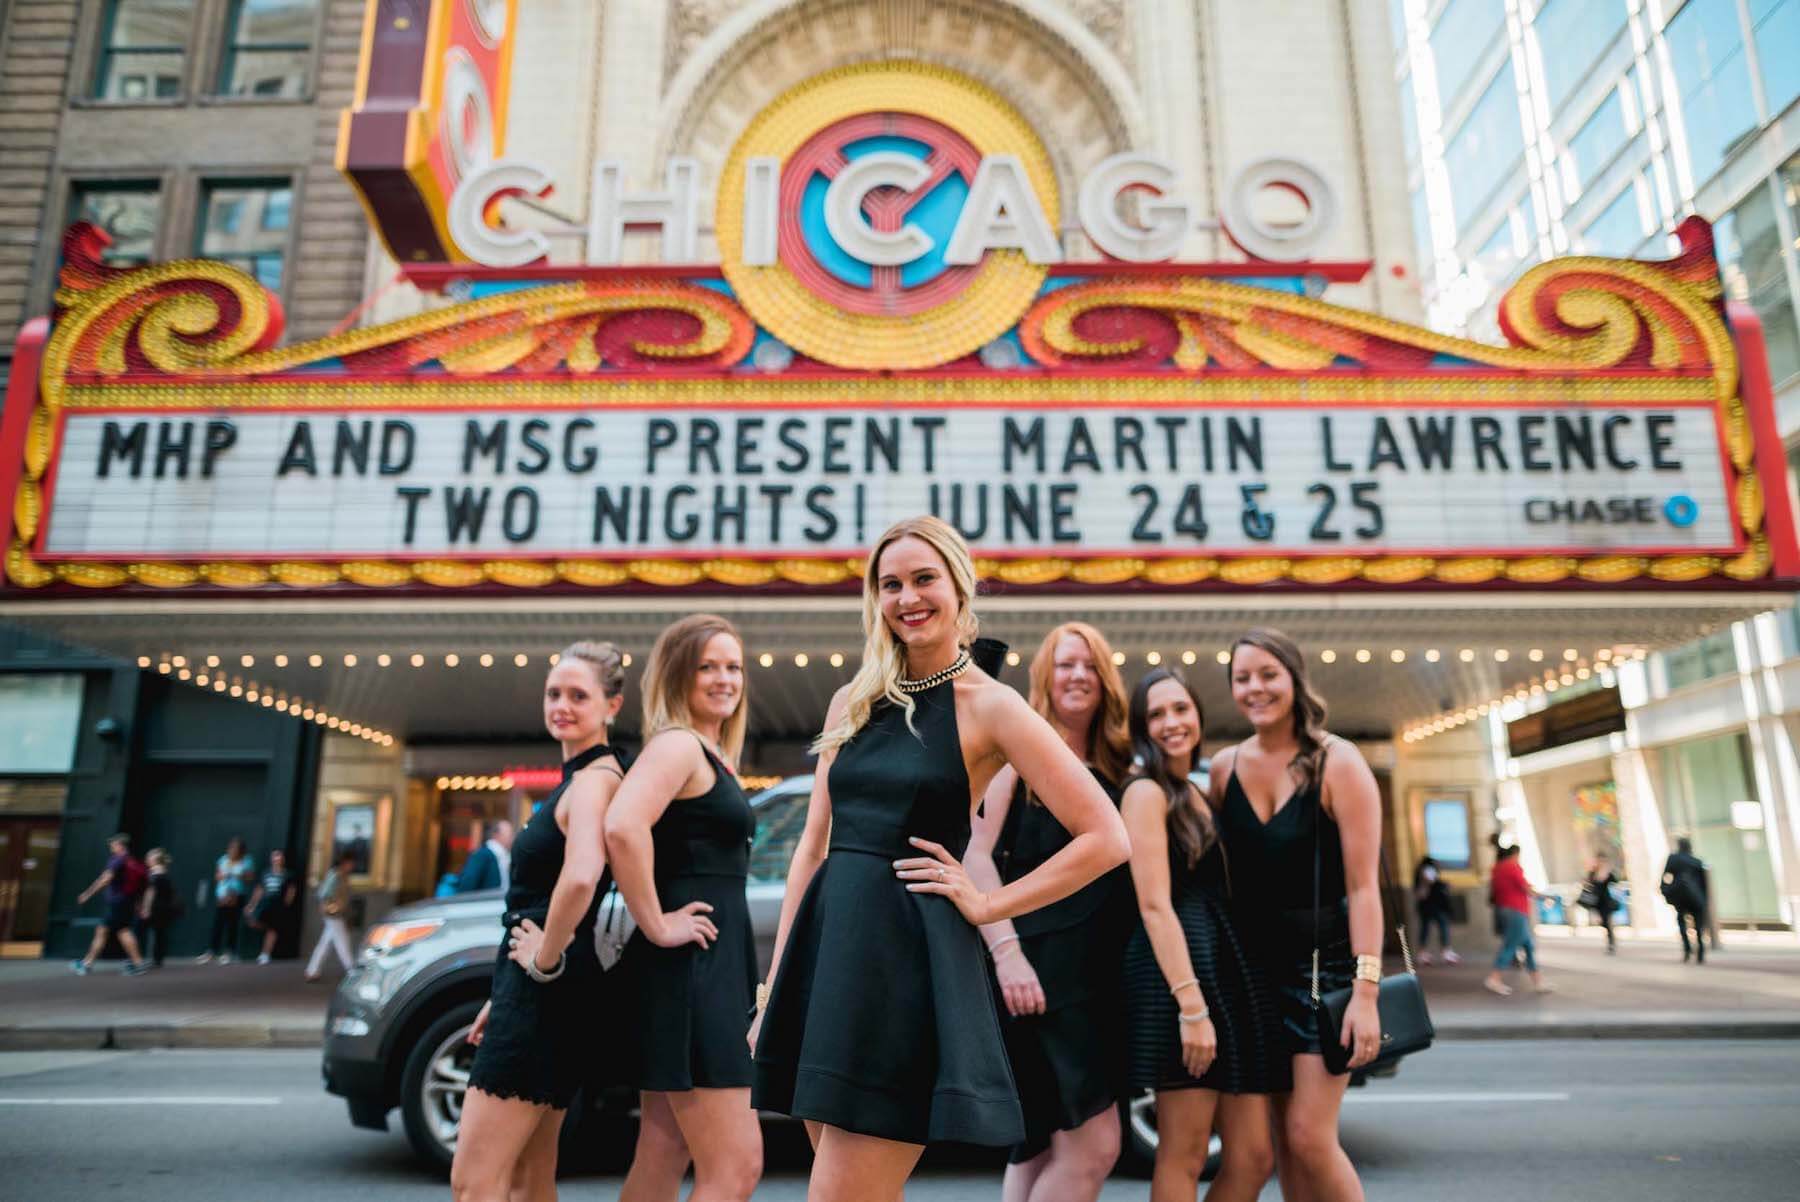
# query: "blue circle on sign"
1681 510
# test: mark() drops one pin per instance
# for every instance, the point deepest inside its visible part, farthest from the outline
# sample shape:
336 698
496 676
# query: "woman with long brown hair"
1202 1025
679 834
1290 794
1058 966
880 1026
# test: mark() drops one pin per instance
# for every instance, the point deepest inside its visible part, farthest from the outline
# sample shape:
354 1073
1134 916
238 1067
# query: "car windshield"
779 821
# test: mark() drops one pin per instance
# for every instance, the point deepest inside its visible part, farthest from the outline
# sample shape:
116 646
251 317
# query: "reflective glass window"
129 211
1422 243
1409 119
1596 143
143 49
1748 243
1618 230
1706 48
268 51
1571 36
1486 148
40 714
1461 38
1777 26
234 227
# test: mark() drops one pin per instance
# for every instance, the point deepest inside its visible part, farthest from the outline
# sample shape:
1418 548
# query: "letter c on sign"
495 245
1280 242
844 216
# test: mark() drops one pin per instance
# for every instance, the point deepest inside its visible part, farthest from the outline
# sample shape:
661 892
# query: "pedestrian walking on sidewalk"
1513 897
490 864
122 882
1058 968
1205 1033
272 905
1596 895
1432 897
334 910
1300 815
233 874
1685 886
158 908
535 1039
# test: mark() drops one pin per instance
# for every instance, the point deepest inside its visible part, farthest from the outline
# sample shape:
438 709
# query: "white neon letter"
1002 213
1165 221
851 230
676 210
497 245
762 204
1278 242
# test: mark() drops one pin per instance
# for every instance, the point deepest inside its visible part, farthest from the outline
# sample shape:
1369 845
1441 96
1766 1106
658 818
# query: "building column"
1644 839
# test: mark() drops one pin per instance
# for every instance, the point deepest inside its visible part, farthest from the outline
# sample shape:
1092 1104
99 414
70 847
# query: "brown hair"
669 677
606 660
1109 740
1191 827
1309 708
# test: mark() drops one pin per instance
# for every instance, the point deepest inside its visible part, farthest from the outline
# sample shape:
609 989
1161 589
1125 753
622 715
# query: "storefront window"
1701 781
39 716
128 211
1486 149
1777 26
1461 39
236 227
1706 48
269 51
143 49
1620 229
1447 831
1598 142
1571 35
1751 264
1703 659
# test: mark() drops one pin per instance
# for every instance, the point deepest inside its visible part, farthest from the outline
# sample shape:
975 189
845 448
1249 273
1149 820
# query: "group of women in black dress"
1003 915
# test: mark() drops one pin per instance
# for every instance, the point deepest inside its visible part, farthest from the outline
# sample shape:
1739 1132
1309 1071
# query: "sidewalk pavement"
1750 990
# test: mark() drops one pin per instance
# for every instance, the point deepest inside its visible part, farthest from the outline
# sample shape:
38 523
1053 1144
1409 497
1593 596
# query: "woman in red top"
1512 895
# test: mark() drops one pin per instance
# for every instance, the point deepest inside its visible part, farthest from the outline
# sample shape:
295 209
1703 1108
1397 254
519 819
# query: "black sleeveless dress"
693 1003
1068 1062
1273 865
540 1043
1251 1058
881 1020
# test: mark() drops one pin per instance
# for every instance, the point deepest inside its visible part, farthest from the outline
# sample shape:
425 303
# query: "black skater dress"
693 1003
1068 1062
539 1043
881 1020
1251 1057
1273 861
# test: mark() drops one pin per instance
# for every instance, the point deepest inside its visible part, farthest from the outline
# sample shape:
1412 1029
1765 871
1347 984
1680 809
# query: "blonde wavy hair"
669 678
884 655
1109 736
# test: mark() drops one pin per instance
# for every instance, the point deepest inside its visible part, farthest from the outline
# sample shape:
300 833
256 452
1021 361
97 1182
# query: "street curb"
143 1037
1772 1029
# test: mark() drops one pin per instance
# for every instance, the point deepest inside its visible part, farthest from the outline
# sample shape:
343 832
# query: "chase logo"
889 176
1681 510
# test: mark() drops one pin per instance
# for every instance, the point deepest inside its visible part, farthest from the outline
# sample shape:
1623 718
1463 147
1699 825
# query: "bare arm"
984 838
1144 810
584 858
100 882
1356 807
667 767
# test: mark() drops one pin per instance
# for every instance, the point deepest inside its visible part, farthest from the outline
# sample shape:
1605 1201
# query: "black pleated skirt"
1253 1055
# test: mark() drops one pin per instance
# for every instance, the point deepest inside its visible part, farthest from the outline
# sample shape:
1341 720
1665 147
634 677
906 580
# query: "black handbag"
1400 999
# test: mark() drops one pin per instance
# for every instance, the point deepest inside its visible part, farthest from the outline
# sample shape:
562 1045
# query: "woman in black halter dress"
1057 968
534 1038
880 1024
679 833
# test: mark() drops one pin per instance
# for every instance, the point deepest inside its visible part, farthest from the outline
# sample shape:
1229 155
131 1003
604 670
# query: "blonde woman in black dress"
533 1038
880 1025
1058 967
679 833
1204 1032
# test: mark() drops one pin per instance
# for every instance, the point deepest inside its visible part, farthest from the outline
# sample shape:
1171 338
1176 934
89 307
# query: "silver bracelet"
996 945
544 978
1205 1013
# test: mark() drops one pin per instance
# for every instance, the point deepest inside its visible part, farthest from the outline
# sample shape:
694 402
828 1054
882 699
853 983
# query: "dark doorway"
28 848
193 810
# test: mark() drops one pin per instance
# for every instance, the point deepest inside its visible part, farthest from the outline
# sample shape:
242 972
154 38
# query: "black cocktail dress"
881 1019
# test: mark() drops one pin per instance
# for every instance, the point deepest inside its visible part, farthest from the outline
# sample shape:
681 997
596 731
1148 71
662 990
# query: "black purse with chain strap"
1400 999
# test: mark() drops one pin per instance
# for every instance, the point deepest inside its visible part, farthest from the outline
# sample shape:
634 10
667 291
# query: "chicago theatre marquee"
641 389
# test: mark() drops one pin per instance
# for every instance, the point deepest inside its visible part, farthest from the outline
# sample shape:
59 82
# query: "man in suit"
490 865
1684 886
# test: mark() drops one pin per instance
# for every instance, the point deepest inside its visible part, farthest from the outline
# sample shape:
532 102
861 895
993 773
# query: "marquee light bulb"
1328 656
1535 655
184 674
281 661
349 661
1364 655
801 659
1188 658
487 661
623 659
417 660
317 661
1119 659
1224 657
212 661
1466 655
1431 655
1570 654
180 661
1153 658
766 660
383 660
248 661
1397 655
201 679
163 667
1012 658
521 659
451 660
837 659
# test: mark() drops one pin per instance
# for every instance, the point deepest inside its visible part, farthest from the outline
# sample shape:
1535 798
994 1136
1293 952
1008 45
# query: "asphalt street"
1512 1121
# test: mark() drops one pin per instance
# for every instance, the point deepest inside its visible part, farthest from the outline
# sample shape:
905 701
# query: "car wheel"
433 1083
1137 1152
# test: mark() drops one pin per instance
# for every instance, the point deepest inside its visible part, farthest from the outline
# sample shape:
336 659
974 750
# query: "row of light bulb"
255 694
350 660
470 784
1550 682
